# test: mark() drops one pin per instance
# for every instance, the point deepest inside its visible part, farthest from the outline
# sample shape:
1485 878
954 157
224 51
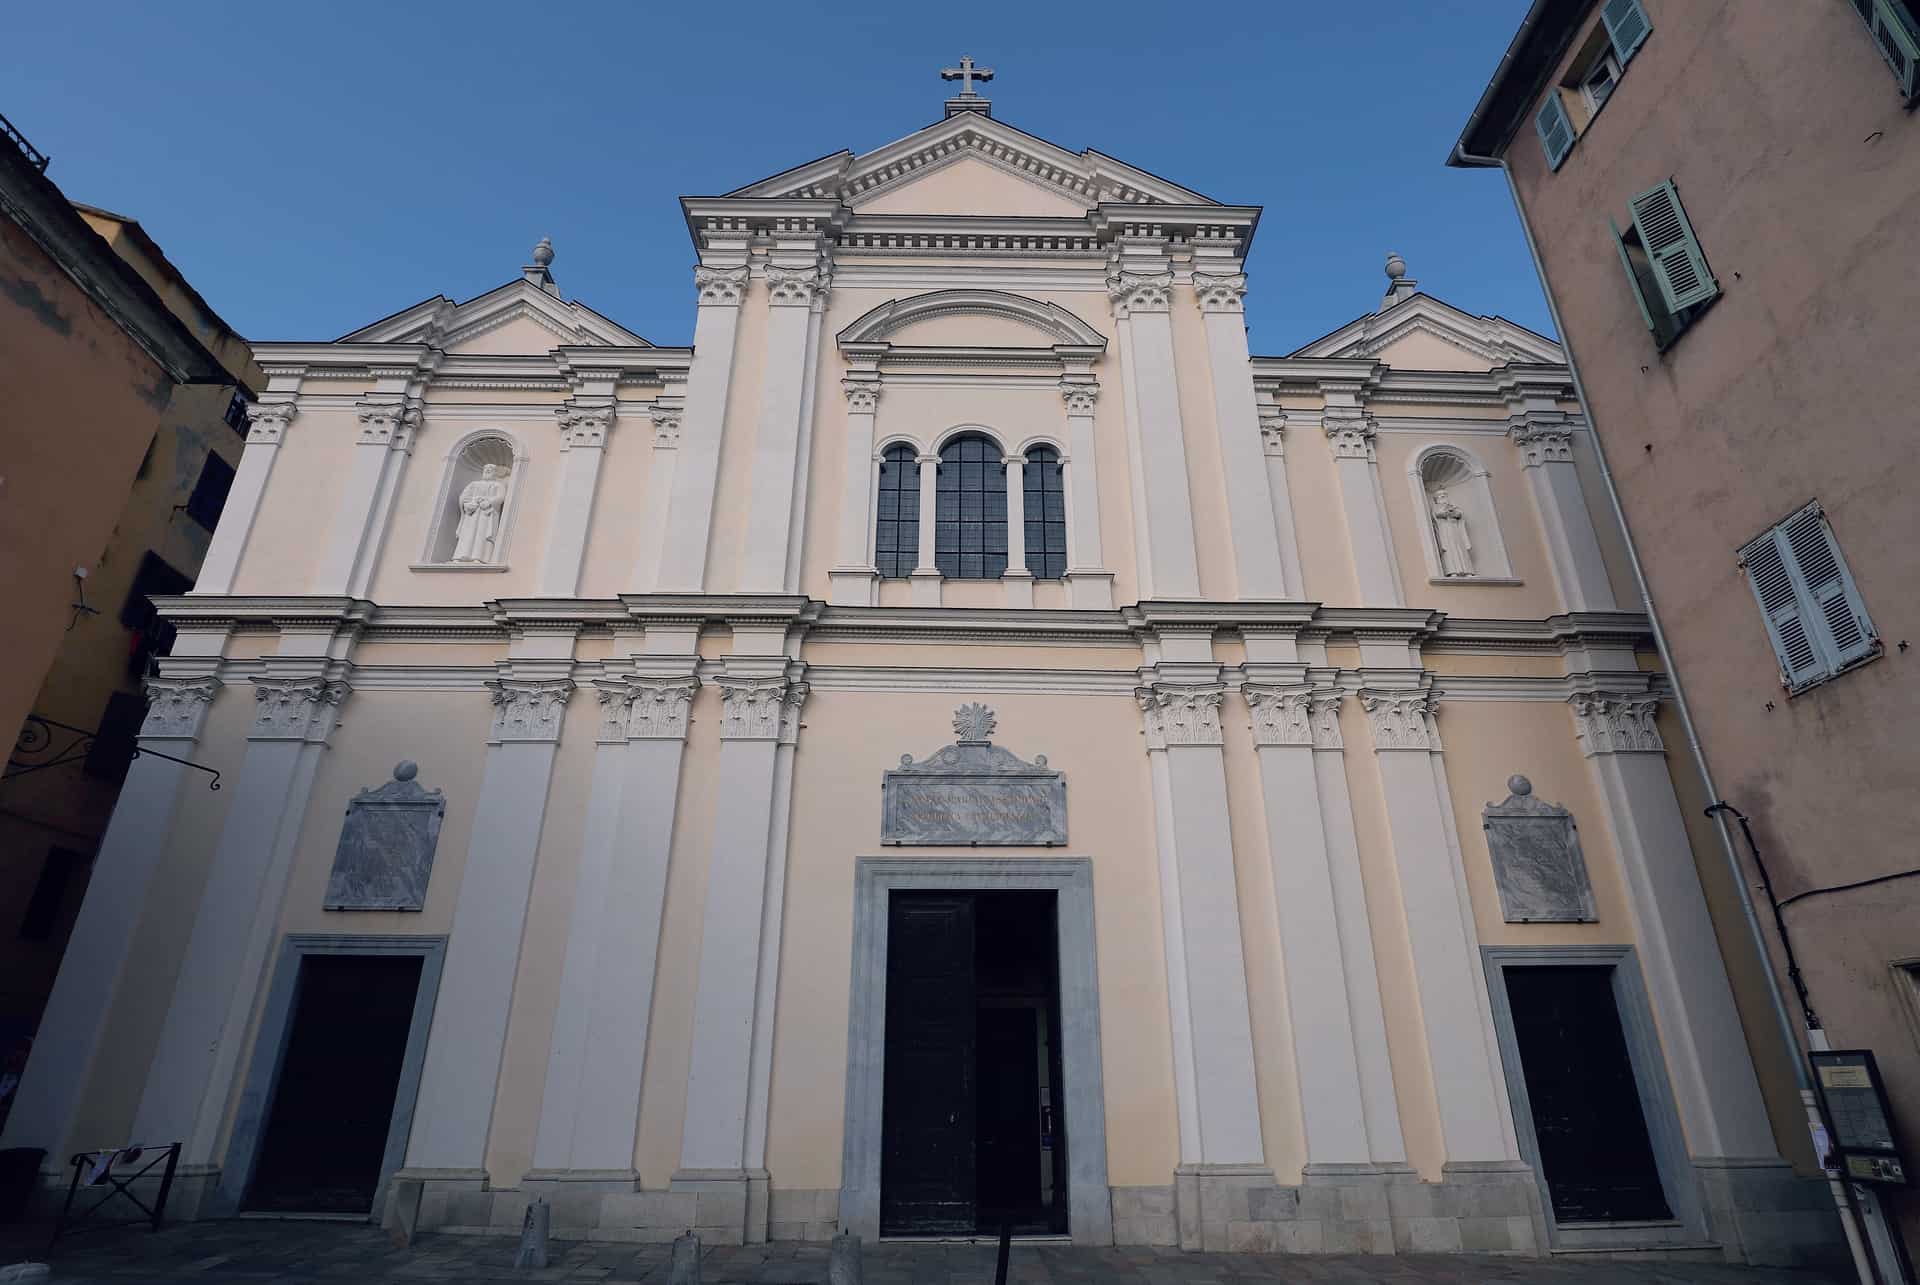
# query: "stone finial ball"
1519 785
1396 266
543 253
406 770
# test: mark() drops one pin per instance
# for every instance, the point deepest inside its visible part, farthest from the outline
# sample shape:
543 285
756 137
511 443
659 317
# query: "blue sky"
312 168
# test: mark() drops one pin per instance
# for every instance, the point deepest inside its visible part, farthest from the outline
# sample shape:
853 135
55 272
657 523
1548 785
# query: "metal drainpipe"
1842 1198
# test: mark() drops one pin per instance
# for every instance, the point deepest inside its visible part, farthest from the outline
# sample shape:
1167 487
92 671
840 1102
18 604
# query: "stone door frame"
270 1045
1689 1223
1082 1097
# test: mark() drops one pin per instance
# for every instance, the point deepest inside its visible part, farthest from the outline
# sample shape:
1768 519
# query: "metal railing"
35 157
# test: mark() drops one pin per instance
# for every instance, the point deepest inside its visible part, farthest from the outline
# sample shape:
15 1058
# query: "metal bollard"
843 1262
1006 1247
533 1235
685 1266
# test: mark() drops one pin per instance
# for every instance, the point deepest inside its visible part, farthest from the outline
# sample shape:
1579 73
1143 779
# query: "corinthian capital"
645 709
1281 715
388 424
177 707
1181 713
760 709
1079 396
583 425
666 414
722 286
1617 723
1402 720
267 421
1273 430
528 709
795 287
1350 431
863 396
295 709
1140 292
1541 441
1220 293
1325 707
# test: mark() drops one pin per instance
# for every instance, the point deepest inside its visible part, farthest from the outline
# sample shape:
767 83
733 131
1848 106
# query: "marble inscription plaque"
1537 863
386 847
974 792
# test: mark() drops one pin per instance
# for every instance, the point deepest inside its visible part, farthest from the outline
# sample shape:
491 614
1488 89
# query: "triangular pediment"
961 166
1420 332
518 317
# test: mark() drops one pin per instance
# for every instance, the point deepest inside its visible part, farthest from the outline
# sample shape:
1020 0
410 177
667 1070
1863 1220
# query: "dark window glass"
50 893
210 492
236 415
896 540
152 636
113 742
1045 515
970 518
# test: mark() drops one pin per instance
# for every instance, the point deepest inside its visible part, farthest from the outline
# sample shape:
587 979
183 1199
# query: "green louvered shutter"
1627 26
1633 279
1679 267
1888 23
1770 574
1556 131
1838 610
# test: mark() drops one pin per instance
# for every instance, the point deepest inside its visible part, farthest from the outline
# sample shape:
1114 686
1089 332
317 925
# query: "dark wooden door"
1008 1129
927 1117
326 1131
1594 1149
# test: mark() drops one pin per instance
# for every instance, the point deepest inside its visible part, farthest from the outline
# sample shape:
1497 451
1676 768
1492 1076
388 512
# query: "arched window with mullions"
896 539
1045 514
970 510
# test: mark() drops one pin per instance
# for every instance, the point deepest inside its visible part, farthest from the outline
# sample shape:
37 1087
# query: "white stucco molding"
527 709
1133 292
390 424
1220 292
1542 439
1350 432
1282 714
796 287
1617 723
760 709
1058 324
1323 715
1402 720
1273 430
723 287
1181 713
295 709
177 708
1079 395
584 423
638 708
267 421
666 414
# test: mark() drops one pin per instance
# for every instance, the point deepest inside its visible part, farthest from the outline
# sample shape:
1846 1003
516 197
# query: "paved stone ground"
261 1251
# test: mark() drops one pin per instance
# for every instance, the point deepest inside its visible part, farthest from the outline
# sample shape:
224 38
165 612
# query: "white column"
1350 433
1256 546
469 1033
1141 305
359 521
266 424
683 555
1089 583
1325 1051
1700 1031
791 294
926 576
1273 441
68 1041
666 413
732 1017
583 445
851 581
1386 1144
1019 580
192 1077
1183 722
1546 453
1445 943
590 1107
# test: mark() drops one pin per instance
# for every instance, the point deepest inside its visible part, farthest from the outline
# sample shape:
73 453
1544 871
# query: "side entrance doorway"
972 1134
330 1093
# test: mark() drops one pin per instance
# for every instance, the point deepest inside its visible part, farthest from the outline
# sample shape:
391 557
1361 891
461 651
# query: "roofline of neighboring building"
1534 52
42 211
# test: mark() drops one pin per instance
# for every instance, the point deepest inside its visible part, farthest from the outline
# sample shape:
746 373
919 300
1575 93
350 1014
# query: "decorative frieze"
389 424
725 287
177 707
1541 442
1079 395
267 421
1281 715
795 287
1181 713
1402 720
1616 723
294 709
1350 431
527 709
1140 292
760 709
583 425
1273 430
1226 293
863 396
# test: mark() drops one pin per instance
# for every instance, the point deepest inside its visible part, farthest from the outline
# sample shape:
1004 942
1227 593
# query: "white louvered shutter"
1770 574
1555 130
1679 267
1627 26
1838 610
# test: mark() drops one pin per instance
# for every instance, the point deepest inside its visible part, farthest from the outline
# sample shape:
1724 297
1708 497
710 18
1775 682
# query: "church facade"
962 745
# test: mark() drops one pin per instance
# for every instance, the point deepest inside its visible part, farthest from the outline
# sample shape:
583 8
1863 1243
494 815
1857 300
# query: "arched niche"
1459 526
467 463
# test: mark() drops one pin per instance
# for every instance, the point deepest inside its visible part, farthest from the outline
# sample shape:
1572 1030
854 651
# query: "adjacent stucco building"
1720 196
963 742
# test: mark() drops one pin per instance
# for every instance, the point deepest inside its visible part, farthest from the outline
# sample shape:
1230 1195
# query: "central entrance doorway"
972 1135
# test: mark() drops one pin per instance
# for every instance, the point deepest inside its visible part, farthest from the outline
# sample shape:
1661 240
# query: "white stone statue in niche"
1450 533
480 504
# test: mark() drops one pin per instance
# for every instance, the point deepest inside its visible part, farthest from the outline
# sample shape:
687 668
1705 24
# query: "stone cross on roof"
966 73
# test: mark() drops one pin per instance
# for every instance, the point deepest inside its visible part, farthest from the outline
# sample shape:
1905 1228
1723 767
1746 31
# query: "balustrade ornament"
527 709
1181 713
1617 723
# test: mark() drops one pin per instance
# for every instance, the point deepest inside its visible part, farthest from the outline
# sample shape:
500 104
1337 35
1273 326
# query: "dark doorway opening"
972 1137
332 1110
1595 1152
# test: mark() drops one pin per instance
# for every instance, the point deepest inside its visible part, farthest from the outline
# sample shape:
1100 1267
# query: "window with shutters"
1591 75
1666 269
896 541
1896 34
970 519
1814 614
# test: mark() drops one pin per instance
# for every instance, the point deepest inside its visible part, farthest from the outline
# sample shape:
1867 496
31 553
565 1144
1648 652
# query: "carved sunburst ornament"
973 722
